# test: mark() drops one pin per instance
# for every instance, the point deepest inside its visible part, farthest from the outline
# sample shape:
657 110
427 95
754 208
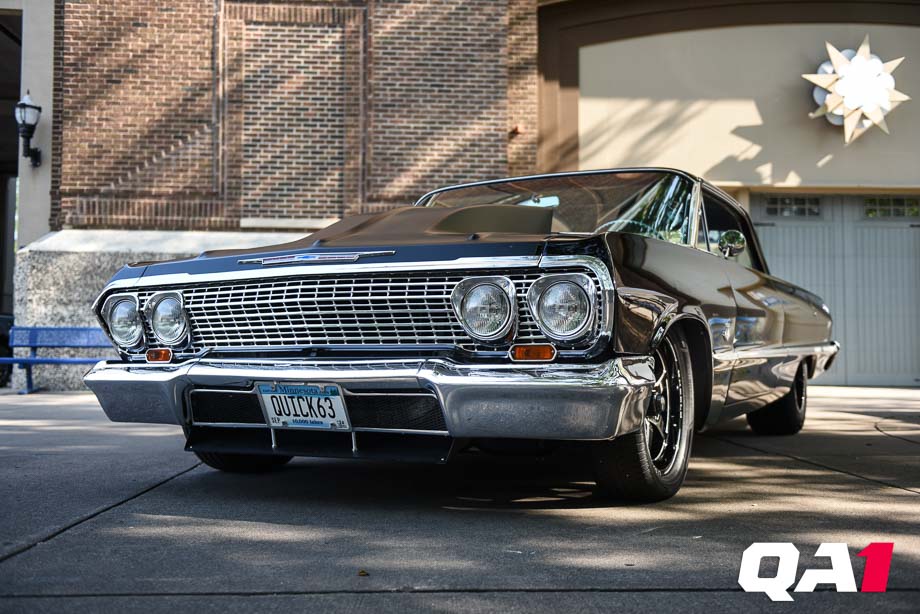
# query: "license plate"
304 406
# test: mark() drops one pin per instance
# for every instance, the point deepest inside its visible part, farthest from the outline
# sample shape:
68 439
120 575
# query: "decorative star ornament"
855 89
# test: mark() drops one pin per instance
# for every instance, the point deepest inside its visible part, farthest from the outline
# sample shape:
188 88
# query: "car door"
757 328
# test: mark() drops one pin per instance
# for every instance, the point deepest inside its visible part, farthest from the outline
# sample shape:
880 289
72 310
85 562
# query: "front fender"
643 317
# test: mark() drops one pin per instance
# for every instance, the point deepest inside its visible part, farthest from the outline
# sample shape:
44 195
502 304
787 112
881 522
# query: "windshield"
650 203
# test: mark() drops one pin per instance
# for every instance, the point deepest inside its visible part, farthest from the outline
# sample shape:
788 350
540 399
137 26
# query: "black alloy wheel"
650 464
665 413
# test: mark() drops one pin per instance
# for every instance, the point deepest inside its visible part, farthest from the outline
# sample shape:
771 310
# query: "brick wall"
293 148
202 113
438 85
136 107
522 87
295 83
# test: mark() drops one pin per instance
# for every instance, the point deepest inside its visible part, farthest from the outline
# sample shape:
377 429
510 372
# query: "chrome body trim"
822 351
356 429
696 212
365 429
542 401
327 257
177 279
230 425
351 393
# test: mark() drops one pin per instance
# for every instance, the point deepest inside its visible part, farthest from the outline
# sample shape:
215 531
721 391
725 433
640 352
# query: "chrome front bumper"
554 401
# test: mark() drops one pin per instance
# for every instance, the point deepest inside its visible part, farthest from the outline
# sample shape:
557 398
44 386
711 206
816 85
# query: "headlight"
484 306
561 305
124 321
563 308
167 318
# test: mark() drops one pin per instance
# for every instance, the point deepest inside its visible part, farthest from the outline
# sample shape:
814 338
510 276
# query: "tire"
650 464
242 463
787 415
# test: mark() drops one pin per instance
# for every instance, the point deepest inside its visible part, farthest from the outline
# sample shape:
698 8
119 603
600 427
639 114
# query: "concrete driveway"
96 516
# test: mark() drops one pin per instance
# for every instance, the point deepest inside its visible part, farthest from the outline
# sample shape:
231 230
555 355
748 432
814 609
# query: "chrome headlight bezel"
149 309
506 286
105 313
585 284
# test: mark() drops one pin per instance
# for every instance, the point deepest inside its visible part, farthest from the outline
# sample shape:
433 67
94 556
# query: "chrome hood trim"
321 269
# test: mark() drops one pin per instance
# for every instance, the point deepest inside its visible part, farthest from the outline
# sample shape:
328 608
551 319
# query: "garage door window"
886 207
794 206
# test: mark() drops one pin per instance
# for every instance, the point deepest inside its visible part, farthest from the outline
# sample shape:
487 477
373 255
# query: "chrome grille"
378 309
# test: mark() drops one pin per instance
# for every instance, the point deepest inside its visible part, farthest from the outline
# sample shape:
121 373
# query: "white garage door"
861 254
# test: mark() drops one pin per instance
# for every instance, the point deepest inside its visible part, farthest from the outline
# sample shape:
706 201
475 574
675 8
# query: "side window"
721 217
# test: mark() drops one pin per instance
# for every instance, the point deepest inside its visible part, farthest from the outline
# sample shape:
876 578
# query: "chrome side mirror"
731 243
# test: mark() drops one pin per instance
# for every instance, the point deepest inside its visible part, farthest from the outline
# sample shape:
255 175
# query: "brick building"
176 126
226 115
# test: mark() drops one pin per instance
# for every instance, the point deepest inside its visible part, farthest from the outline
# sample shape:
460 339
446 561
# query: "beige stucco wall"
37 77
730 104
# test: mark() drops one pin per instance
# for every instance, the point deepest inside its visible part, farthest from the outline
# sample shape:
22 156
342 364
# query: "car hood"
423 225
406 234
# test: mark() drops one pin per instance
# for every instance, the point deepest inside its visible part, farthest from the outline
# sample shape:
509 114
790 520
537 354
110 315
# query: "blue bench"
52 337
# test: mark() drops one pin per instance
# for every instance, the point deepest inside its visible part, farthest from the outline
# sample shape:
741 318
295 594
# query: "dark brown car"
619 310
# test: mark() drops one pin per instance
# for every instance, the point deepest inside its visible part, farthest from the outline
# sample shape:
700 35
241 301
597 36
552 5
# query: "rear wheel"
242 463
650 464
787 415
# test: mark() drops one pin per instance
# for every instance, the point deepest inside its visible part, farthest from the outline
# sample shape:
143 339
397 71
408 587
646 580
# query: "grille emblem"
310 258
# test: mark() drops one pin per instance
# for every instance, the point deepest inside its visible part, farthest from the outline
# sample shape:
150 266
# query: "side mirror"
731 243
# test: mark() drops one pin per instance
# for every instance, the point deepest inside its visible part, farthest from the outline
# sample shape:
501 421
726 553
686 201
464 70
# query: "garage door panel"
864 260
804 256
884 277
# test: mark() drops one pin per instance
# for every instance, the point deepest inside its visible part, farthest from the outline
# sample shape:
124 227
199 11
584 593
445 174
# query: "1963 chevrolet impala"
621 310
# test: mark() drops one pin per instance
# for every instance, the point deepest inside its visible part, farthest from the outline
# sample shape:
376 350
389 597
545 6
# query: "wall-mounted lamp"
27 115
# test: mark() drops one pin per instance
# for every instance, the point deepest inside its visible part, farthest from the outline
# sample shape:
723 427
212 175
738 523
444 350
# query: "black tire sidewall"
673 477
802 375
784 416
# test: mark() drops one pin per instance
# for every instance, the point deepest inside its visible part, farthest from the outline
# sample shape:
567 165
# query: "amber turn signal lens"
533 353
159 355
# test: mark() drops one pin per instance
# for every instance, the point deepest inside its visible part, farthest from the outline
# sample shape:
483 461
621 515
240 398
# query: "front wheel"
242 463
651 463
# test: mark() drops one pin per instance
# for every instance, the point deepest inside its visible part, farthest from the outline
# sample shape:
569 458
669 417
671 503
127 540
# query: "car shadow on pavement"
474 481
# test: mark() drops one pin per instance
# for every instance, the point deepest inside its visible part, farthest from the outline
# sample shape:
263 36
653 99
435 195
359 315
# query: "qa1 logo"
840 574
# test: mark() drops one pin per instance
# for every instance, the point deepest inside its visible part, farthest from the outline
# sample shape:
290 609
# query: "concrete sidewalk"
103 517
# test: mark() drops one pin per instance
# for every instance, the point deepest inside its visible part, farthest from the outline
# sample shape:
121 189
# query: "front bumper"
553 401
